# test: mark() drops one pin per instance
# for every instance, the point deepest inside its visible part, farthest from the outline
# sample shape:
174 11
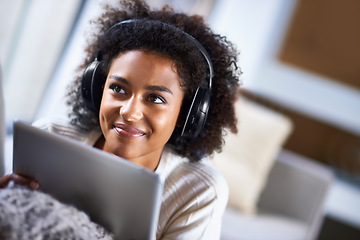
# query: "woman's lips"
127 131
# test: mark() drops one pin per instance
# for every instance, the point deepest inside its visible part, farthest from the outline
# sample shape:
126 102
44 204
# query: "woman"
158 90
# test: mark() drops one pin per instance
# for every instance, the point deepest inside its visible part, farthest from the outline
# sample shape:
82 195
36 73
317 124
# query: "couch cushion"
248 156
262 226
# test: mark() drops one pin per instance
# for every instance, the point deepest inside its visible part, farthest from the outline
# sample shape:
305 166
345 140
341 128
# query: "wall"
258 28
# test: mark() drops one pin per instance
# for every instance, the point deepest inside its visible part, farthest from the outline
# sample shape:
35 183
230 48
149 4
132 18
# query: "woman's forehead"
147 66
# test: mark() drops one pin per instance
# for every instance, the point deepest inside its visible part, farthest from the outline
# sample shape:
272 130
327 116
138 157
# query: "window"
33 36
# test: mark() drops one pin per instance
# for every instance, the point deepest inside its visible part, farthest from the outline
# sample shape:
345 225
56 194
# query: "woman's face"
140 106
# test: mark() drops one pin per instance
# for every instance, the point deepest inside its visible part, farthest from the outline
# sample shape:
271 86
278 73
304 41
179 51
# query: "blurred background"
299 57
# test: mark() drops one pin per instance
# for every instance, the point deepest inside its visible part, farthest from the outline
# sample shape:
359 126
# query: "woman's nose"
132 110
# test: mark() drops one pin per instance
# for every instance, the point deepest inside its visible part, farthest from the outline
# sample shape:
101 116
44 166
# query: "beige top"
194 196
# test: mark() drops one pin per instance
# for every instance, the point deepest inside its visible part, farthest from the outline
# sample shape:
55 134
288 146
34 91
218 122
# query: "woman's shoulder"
194 198
64 127
52 123
200 174
210 177
57 125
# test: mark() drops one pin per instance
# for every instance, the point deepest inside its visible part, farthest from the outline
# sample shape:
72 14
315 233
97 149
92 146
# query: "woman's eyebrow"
150 87
159 88
120 79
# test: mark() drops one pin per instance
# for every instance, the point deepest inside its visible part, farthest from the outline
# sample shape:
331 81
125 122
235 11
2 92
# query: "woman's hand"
18 179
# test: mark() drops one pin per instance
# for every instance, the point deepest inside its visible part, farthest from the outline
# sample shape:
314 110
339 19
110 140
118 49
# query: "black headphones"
196 111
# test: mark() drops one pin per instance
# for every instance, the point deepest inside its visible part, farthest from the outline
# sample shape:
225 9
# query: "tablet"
121 196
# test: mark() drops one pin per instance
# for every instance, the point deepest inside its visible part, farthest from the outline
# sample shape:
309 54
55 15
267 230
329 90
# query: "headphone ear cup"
197 113
92 85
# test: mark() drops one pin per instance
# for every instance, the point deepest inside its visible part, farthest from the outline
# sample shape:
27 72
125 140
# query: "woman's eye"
117 89
157 99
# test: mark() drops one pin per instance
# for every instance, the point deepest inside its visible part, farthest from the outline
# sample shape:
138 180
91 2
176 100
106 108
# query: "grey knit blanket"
33 215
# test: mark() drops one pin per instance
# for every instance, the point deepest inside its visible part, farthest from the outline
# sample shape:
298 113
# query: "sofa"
273 193
290 206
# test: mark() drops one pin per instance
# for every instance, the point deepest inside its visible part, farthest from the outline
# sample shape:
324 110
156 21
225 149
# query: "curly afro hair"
190 64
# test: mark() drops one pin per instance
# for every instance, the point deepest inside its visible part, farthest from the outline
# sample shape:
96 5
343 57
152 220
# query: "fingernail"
34 185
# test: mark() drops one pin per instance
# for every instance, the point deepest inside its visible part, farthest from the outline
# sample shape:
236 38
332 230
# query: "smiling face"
140 106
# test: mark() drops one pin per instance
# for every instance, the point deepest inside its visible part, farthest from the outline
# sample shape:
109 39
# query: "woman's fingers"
4 181
30 183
